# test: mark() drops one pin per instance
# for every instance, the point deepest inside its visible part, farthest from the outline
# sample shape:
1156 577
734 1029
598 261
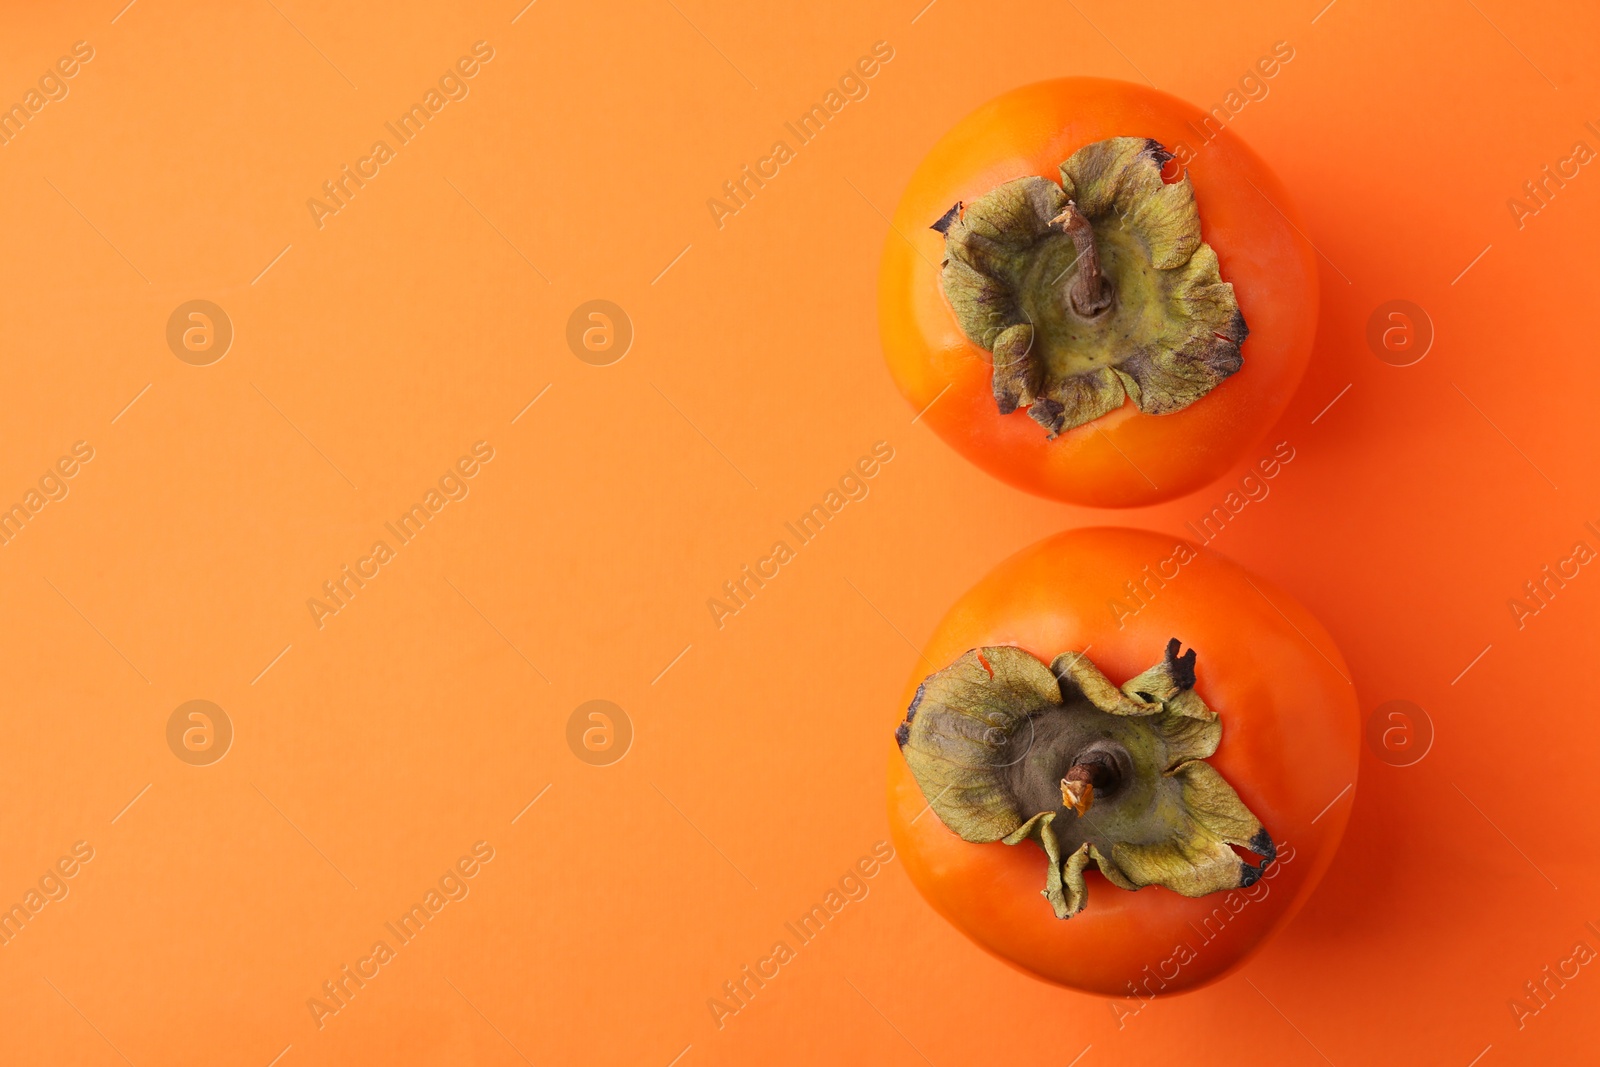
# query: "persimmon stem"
1078 787
1090 293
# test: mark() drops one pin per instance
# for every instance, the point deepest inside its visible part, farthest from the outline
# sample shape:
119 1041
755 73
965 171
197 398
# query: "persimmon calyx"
1094 291
1007 749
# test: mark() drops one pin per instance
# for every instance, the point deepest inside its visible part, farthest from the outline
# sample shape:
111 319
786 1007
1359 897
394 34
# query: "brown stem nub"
1077 788
1090 293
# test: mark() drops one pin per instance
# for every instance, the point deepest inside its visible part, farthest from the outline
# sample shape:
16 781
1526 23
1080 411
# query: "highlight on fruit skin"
1007 749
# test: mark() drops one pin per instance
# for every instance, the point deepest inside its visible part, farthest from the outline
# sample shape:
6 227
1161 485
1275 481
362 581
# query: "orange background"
426 715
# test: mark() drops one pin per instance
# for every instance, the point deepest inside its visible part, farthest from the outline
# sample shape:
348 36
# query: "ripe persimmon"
1114 710
1085 315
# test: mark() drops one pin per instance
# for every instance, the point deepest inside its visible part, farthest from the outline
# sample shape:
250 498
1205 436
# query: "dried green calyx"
1007 749
1093 291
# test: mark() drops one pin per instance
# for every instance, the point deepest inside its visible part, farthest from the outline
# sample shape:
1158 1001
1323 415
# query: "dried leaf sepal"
1007 749
1094 291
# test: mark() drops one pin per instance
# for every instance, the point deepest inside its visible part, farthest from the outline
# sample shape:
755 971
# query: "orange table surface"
389 349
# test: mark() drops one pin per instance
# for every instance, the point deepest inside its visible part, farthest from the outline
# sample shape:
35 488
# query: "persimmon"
1123 762
1084 314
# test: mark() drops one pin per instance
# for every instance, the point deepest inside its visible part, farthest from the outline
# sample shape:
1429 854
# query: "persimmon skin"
1126 458
1290 748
